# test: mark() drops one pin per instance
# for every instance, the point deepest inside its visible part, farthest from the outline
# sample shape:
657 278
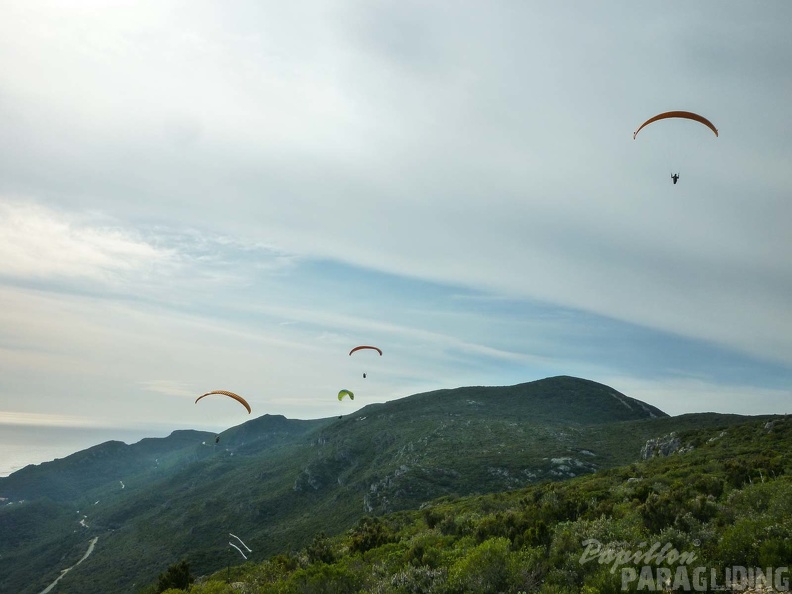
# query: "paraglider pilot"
675 177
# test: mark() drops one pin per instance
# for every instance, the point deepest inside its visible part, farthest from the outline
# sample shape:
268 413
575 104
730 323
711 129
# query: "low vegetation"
722 501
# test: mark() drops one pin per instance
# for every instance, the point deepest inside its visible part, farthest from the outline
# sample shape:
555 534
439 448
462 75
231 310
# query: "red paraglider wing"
688 115
236 397
357 348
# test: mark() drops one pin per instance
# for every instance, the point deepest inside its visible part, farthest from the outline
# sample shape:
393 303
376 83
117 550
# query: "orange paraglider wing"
236 397
688 115
364 346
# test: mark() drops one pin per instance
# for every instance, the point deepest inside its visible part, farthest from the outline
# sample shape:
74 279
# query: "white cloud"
189 167
39 243
176 388
47 420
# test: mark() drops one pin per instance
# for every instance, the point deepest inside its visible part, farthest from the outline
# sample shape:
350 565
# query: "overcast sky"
230 195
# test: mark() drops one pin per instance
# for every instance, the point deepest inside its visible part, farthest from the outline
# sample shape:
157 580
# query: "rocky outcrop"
663 446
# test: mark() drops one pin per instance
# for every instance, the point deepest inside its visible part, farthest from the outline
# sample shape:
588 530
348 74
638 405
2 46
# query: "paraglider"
362 347
343 393
687 115
236 397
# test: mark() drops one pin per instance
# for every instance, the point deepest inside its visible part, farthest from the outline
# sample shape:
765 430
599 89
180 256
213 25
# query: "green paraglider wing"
343 393
688 115
236 397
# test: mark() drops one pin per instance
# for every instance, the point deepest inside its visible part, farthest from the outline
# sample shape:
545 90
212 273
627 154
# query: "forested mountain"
278 482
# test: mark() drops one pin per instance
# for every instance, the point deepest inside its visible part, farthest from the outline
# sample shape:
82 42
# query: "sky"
231 195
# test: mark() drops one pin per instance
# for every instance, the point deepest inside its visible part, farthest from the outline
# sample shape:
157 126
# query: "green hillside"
719 507
278 482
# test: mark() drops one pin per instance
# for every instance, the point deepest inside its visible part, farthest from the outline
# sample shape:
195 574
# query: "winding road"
68 569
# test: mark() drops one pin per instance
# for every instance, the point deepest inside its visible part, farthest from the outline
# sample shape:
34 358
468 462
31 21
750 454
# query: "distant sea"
21 445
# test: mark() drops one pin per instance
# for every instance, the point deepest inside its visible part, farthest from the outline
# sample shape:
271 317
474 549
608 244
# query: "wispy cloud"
233 197
47 420
176 388
37 242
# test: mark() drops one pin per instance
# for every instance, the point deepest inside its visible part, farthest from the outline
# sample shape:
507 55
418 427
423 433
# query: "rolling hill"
278 482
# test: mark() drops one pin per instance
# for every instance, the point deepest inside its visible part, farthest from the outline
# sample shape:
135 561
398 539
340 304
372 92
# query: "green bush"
368 534
775 552
323 579
417 580
485 569
738 544
320 550
212 587
176 577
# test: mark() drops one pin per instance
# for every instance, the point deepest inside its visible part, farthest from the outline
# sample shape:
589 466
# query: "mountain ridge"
277 481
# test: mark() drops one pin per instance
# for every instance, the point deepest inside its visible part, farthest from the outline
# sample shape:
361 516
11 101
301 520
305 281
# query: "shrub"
177 577
370 533
212 587
320 550
484 569
418 580
323 579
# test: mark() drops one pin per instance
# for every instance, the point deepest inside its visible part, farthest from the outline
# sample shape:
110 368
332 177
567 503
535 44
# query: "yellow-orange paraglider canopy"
236 397
687 115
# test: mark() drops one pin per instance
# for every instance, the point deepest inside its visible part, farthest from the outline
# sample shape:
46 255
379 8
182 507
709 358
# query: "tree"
176 576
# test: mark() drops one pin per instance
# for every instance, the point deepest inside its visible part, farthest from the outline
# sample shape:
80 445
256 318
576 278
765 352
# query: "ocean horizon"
23 445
